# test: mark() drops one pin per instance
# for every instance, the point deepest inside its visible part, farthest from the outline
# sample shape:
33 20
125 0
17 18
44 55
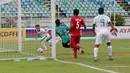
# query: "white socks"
110 50
95 52
50 42
44 46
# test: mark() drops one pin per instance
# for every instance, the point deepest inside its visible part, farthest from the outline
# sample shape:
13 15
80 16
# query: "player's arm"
83 24
94 29
37 36
45 36
94 25
111 25
71 23
113 29
59 35
84 28
67 28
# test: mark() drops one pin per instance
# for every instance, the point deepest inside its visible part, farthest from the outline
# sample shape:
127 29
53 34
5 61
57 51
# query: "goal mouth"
18 33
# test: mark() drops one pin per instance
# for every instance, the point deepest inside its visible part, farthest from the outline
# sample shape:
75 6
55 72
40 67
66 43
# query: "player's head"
101 10
37 27
57 22
76 12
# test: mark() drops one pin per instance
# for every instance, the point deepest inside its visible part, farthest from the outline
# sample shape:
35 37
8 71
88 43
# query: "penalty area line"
85 65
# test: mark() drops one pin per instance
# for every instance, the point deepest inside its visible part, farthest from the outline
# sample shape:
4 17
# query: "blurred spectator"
9 23
82 1
60 11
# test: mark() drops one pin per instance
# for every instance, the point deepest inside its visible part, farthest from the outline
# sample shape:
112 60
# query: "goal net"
18 34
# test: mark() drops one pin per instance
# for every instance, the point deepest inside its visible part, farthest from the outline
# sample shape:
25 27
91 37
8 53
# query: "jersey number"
102 21
77 25
63 32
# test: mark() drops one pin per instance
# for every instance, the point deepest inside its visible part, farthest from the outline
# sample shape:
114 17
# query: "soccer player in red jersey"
75 24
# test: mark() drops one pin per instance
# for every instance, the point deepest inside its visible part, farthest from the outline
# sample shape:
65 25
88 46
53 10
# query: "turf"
121 62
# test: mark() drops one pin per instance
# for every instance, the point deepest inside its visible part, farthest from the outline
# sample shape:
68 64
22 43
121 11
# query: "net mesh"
33 12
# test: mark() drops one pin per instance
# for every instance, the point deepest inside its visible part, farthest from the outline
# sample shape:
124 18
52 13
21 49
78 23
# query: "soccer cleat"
95 59
110 58
45 48
82 52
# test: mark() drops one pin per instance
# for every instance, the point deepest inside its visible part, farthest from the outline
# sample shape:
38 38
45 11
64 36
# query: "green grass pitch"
120 64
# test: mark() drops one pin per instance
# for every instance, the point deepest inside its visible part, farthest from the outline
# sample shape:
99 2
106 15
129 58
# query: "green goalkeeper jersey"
62 32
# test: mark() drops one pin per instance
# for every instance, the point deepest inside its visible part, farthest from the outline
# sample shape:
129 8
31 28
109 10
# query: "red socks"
75 52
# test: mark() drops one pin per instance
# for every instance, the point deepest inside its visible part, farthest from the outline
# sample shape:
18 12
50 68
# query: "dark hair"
57 22
37 25
101 10
76 12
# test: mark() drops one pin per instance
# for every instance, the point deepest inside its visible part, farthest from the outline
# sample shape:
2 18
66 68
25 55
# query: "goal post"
18 35
53 28
19 27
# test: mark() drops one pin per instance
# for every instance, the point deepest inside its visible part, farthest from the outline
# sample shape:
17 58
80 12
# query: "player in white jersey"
102 32
45 36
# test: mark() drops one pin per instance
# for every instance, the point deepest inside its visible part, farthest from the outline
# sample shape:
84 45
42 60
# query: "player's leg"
97 44
42 42
77 42
44 46
58 39
66 45
108 40
49 39
74 45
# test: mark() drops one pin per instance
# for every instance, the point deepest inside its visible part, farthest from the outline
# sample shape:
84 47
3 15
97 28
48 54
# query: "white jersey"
101 22
42 32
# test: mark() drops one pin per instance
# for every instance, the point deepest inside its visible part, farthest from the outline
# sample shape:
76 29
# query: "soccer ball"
40 50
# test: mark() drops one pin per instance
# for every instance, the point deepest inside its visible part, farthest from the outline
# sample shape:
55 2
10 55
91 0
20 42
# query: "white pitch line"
21 52
115 66
6 50
124 48
85 65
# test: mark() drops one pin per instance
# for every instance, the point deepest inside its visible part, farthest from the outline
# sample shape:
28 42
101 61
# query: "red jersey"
75 23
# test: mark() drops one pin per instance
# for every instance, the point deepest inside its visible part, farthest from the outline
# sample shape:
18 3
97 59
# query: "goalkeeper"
62 31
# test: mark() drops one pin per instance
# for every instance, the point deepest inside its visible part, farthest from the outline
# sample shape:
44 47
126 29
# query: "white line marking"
35 56
124 48
85 65
114 66
6 50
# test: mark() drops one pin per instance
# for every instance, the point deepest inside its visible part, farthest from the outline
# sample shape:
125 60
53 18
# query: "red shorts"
74 41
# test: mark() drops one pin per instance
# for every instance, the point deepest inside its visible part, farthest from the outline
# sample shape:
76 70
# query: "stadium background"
39 12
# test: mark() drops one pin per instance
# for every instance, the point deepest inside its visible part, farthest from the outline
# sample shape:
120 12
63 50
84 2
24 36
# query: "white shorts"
47 37
103 36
